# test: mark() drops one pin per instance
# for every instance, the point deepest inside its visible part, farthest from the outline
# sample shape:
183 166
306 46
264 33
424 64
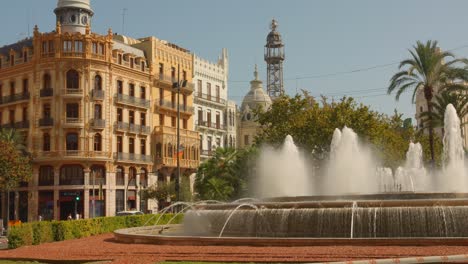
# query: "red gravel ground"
103 247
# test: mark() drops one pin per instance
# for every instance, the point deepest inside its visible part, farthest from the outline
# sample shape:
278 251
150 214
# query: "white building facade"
214 114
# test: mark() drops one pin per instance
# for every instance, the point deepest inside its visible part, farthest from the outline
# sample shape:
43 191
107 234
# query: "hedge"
36 233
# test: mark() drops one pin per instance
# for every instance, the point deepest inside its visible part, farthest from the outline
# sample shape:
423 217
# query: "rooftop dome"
256 96
274 37
81 4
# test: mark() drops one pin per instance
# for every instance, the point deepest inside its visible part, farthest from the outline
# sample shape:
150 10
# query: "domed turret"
255 98
74 15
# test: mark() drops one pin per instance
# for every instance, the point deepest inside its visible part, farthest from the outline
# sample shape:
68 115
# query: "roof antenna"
124 13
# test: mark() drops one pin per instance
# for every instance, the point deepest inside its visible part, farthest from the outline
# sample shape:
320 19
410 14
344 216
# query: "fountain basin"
380 219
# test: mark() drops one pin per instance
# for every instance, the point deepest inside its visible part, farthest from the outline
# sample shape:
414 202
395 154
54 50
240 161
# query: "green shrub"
42 233
20 235
47 231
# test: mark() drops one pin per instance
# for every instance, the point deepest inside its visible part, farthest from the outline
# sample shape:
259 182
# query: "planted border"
36 233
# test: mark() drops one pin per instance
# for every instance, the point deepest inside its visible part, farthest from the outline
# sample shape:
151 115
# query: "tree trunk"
8 209
428 94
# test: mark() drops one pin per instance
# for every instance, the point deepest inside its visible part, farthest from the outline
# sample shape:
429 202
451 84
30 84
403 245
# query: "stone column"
86 201
56 193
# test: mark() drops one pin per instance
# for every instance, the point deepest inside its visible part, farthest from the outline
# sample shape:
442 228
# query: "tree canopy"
312 124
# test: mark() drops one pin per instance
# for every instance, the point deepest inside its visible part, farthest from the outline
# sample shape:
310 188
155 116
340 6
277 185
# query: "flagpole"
178 136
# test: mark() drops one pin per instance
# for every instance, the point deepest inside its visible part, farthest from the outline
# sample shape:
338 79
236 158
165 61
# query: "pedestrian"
40 218
69 217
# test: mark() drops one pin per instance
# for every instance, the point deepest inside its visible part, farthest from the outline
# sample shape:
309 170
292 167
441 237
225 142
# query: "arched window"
143 178
73 80
170 151
97 142
71 175
132 172
99 175
46 142
72 141
120 176
47 82
46 176
98 82
158 150
97 111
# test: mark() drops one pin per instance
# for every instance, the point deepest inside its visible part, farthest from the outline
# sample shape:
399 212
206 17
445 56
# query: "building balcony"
17 125
131 100
98 123
206 152
199 97
132 157
46 122
68 92
172 162
73 54
15 98
173 106
132 128
168 81
47 92
211 125
97 94
73 122
184 133
71 155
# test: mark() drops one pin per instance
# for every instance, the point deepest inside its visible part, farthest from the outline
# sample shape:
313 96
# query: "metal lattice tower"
274 57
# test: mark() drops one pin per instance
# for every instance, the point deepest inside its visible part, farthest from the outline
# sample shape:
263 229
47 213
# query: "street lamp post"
177 85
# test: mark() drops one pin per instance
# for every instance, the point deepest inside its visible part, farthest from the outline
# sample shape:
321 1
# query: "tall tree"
428 69
14 168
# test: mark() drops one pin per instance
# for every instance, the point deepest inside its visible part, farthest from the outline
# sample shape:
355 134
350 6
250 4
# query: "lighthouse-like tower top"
274 57
74 15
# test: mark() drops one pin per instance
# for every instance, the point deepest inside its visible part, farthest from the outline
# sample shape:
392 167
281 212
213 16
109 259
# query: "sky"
333 47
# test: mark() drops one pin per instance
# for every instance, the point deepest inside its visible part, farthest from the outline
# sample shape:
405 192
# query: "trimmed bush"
48 231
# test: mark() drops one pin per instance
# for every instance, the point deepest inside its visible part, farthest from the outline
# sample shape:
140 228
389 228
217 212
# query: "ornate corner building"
99 115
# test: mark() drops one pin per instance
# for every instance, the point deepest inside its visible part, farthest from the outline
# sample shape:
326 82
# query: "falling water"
350 169
454 170
232 213
283 172
353 211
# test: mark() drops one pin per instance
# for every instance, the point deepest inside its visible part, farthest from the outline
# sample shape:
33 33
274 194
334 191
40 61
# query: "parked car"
122 213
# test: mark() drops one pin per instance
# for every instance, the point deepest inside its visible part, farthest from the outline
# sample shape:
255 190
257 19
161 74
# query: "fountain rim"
129 235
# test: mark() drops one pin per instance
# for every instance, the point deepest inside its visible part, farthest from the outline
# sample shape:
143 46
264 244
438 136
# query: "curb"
428 259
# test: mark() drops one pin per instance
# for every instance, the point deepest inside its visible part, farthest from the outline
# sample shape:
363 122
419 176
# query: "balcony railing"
97 94
72 154
75 92
73 121
206 152
15 98
46 121
132 128
98 123
212 125
171 105
17 125
173 131
211 98
170 80
120 156
46 92
131 100
172 162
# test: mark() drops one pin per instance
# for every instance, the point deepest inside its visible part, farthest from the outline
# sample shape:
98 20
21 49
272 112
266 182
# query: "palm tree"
11 135
458 100
429 69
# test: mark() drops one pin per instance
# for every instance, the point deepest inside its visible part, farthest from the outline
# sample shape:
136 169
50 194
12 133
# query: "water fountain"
359 203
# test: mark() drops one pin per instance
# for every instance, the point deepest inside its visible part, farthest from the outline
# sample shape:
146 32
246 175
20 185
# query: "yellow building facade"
97 115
